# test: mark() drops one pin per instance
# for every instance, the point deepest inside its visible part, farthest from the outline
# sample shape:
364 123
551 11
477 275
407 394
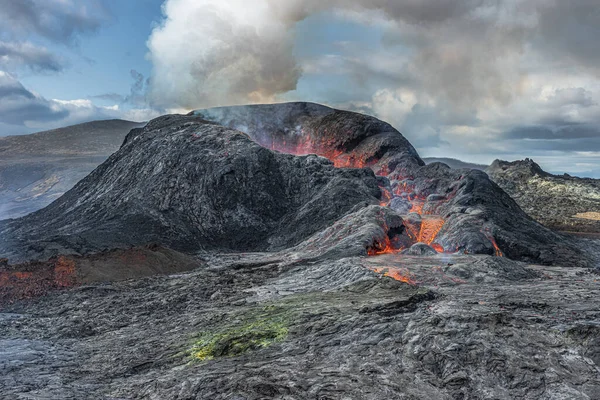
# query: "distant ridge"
95 137
37 169
455 163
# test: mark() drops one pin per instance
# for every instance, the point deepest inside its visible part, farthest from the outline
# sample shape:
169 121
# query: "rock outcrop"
560 202
194 183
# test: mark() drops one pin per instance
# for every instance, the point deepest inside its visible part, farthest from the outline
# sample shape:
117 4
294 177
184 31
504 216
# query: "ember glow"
399 274
303 143
430 227
382 248
20 283
488 234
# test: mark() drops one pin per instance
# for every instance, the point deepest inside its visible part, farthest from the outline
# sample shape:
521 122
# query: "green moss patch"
237 340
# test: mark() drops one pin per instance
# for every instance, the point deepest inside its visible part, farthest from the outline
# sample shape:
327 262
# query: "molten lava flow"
381 248
430 227
402 275
386 196
417 206
488 234
437 247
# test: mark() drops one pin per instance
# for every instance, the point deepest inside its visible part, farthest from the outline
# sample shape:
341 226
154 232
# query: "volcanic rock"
192 183
478 216
420 249
560 202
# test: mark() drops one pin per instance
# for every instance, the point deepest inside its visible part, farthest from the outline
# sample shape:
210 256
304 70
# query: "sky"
470 79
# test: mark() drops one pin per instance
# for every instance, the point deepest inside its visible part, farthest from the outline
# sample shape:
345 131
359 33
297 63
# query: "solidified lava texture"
219 180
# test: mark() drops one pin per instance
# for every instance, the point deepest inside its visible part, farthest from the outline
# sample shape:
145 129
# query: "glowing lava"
488 234
430 227
382 248
399 274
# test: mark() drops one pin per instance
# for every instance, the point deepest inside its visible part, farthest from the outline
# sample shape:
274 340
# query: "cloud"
18 105
211 52
465 78
57 20
38 59
22 111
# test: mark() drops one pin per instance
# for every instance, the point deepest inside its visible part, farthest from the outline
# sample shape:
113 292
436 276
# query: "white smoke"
221 52
213 52
446 72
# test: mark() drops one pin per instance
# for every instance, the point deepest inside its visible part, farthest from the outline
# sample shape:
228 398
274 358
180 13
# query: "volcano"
291 251
276 177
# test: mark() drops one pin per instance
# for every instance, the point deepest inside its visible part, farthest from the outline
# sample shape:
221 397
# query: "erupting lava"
382 248
303 143
430 227
402 275
488 234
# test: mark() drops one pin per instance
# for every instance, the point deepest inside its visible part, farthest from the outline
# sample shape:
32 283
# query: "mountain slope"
454 163
561 202
198 185
37 169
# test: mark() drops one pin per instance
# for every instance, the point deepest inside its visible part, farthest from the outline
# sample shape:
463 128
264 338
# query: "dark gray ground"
482 328
307 315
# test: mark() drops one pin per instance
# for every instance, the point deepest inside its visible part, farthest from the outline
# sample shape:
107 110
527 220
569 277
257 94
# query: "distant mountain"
454 163
37 169
562 202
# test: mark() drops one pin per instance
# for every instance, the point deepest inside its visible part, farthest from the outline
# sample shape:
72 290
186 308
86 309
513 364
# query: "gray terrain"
561 202
292 251
37 169
454 163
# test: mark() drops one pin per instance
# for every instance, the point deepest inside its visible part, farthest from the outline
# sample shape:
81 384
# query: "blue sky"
459 78
101 62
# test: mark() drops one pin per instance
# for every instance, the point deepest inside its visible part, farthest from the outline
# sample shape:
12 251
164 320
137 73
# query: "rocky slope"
302 277
454 163
256 327
560 202
451 210
39 168
194 184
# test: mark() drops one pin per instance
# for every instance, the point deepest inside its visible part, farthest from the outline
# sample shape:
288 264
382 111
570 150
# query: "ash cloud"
447 73
209 52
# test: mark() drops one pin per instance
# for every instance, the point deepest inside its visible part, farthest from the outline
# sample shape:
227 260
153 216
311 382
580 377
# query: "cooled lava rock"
560 202
476 215
420 249
192 185
219 180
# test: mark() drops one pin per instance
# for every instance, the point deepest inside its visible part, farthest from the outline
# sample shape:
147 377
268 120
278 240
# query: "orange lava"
382 248
402 275
437 247
497 251
417 206
386 197
430 227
